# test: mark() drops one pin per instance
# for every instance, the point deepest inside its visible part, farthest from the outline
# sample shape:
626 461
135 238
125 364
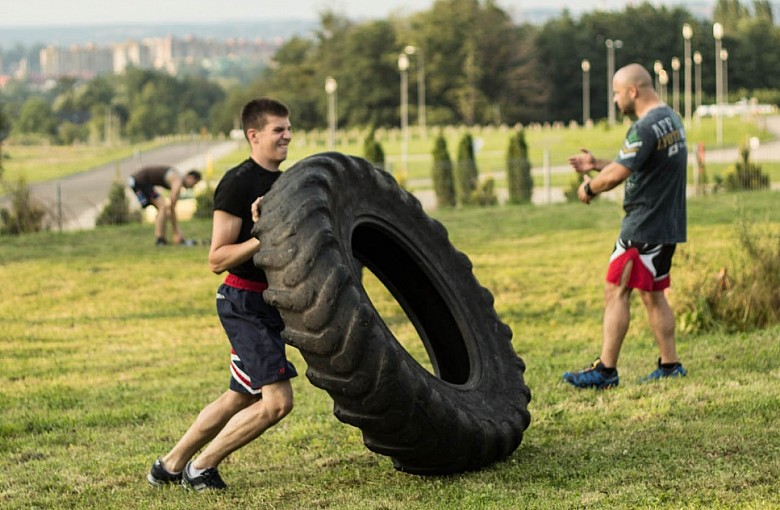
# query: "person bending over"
144 183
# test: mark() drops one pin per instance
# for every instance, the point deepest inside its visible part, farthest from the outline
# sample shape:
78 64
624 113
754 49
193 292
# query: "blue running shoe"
661 372
592 377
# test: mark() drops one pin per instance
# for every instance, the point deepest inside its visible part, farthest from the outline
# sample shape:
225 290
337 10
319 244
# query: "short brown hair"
255 113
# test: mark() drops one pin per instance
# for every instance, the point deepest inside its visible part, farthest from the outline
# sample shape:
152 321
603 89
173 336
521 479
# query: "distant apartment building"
167 54
131 54
78 61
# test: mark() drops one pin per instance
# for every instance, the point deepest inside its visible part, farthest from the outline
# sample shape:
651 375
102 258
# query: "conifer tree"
525 180
513 170
117 209
372 150
467 174
443 183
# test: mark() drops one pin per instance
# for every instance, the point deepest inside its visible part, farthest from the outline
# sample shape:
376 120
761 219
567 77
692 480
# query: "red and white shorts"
651 264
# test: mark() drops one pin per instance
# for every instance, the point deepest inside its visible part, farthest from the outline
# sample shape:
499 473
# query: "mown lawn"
35 163
546 144
44 162
110 346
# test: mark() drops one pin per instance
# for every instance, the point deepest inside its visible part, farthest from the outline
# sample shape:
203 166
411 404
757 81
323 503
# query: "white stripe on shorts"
240 376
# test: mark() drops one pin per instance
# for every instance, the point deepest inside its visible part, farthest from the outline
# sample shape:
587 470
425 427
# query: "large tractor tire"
324 219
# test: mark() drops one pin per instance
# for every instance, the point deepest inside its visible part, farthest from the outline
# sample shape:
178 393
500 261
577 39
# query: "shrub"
518 168
443 183
117 209
745 175
372 150
574 185
467 175
485 194
25 214
69 133
743 297
204 202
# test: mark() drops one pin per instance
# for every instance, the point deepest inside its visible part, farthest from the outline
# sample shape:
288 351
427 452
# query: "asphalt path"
73 202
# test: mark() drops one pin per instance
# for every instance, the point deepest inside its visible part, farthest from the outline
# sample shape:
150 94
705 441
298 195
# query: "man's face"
190 181
271 142
623 96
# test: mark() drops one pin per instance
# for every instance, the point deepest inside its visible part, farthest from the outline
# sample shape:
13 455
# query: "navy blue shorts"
254 330
144 192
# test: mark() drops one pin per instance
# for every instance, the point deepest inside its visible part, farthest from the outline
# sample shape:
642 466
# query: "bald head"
633 90
634 74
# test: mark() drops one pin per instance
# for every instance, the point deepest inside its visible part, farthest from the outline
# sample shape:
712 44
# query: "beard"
628 110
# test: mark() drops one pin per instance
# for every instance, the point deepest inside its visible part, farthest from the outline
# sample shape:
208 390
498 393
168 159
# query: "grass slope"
110 346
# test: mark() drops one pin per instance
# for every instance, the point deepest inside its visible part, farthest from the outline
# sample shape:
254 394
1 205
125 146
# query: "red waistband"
244 284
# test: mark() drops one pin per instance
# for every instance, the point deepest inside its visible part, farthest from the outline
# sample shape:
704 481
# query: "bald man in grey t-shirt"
652 163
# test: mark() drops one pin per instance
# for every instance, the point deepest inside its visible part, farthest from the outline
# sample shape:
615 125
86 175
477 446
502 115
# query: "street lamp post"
676 84
725 57
717 32
403 67
663 80
585 91
687 33
421 115
611 47
330 88
657 68
697 62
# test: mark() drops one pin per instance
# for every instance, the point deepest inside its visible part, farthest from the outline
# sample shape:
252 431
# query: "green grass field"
557 142
110 347
38 163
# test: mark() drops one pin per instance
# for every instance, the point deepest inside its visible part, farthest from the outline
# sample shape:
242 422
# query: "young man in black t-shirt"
260 392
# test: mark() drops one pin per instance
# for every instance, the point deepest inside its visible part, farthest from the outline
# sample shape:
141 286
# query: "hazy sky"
26 13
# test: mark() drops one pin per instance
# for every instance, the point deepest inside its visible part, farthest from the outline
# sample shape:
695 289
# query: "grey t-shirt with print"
654 201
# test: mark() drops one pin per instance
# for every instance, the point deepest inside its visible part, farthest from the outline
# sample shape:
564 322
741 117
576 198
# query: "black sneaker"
161 241
207 480
159 476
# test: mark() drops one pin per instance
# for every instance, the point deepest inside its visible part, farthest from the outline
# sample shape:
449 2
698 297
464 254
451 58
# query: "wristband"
588 191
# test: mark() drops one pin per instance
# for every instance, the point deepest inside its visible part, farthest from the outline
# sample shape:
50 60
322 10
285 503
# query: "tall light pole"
585 91
421 116
687 33
697 62
717 32
403 66
611 46
657 68
330 88
676 84
663 80
724 58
